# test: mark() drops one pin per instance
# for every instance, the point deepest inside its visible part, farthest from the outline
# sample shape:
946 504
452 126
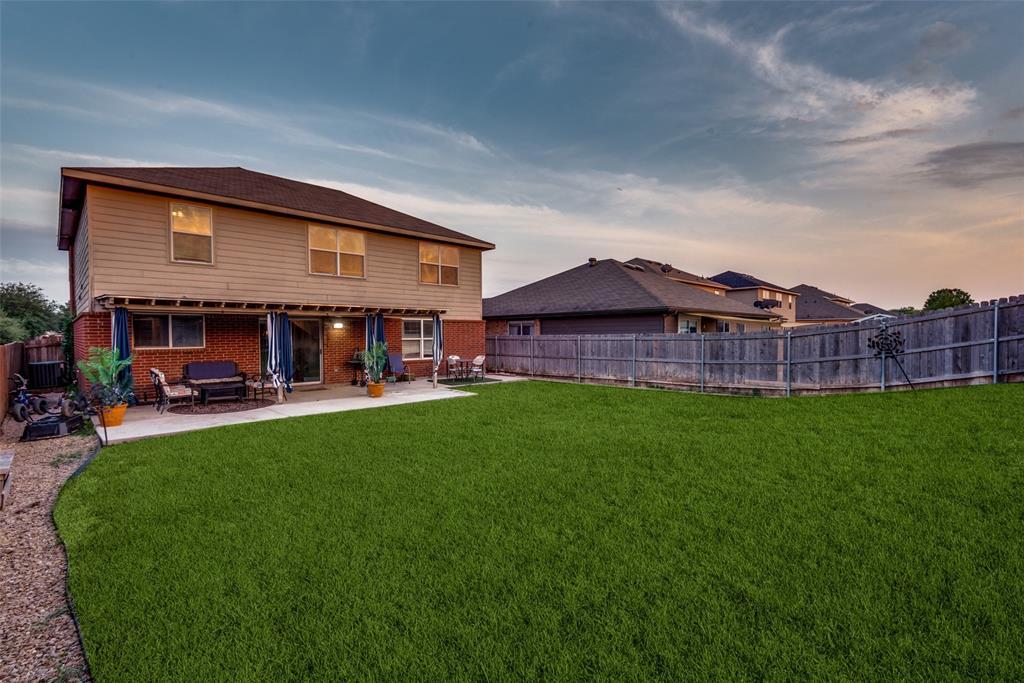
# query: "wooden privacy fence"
10 363
48 347
970 344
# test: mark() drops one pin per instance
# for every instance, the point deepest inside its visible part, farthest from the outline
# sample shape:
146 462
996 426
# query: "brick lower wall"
228 337
236 337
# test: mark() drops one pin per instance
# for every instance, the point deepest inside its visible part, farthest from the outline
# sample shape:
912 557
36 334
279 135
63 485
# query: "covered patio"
144 421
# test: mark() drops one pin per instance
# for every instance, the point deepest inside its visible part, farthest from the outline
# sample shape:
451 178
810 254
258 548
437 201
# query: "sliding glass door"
307 349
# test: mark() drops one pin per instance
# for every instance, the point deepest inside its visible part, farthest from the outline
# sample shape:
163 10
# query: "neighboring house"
759 293
817 307
198 256
612 297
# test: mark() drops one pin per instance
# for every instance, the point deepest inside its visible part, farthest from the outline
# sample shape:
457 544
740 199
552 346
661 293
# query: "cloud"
943 38
805 92
139 107
454 137
884 135
49 158
26 205
974 164
1015 114
50 276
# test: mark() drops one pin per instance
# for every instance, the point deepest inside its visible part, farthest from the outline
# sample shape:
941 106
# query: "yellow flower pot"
113 416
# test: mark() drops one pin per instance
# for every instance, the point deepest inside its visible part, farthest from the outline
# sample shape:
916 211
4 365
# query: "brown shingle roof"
672 272
737 280
610 286
817 304
282 193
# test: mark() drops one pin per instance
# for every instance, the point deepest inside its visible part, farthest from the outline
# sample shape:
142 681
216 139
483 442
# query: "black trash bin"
45 374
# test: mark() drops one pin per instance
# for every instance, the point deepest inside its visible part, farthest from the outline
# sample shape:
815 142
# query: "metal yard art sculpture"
889 344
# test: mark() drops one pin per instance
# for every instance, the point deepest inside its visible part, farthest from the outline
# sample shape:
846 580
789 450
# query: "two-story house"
760 293
199 256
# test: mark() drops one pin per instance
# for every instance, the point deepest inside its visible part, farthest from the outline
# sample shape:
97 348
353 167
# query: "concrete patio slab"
142 422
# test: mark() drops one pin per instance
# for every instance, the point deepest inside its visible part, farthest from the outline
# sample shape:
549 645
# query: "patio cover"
171 304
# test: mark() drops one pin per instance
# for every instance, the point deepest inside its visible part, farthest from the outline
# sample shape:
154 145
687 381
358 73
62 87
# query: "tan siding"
258 257
749 296
83 274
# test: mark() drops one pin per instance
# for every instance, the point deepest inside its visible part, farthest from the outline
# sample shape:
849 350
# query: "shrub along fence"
972 344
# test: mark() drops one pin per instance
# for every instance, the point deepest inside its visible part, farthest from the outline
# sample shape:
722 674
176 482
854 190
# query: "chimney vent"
666 268
592 261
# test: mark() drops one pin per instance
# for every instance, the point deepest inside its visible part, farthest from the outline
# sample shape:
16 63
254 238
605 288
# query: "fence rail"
970 344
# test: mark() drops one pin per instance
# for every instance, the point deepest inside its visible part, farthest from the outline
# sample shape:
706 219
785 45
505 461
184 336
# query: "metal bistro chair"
165 392
477 368
454 367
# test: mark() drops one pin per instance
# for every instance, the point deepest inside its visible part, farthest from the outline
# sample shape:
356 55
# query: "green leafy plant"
947 298
101 370
375 359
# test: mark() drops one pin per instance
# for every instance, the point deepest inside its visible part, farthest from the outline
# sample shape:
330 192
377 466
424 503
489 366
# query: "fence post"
579 359
881 379
995 343
702 362
633 379
531 355
789 364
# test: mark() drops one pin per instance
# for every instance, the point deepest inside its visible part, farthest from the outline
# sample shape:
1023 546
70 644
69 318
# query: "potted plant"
375 359
101 370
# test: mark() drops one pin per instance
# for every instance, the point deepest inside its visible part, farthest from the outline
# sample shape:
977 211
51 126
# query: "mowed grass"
560 532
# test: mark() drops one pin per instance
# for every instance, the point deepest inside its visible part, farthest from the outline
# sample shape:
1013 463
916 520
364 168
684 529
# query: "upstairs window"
439 264
334 251
191 233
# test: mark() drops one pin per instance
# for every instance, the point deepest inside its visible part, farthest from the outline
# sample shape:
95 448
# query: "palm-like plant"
375 359
101 370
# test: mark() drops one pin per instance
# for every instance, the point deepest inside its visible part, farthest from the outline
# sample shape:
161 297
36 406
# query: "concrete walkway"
144 421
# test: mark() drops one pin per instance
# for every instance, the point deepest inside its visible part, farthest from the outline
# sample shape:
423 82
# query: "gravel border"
39 638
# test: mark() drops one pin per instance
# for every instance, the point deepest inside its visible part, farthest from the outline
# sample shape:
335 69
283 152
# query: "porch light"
337 324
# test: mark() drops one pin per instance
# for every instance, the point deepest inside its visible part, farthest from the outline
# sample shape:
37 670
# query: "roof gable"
817 304
236 184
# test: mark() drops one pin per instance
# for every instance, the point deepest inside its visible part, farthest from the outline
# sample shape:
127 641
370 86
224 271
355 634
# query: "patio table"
207 390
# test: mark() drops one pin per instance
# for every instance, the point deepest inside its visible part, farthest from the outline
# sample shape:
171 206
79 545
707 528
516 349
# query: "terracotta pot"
374 389
114 416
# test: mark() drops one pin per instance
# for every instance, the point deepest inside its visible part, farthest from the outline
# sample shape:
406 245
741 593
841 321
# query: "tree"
906 310
27 304
11 329
947 298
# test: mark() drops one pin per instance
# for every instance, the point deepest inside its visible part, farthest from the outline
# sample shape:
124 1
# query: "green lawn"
564 532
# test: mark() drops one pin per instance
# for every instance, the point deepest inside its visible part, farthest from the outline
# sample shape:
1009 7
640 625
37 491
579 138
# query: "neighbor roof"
240 186
869 309
817 304
736 280
610 286
670 271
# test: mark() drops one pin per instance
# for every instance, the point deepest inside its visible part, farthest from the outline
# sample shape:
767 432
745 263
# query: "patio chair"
477 367
260 384
454 367
398 370
166 392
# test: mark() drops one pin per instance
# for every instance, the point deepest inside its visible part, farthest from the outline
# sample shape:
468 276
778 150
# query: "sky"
871 149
